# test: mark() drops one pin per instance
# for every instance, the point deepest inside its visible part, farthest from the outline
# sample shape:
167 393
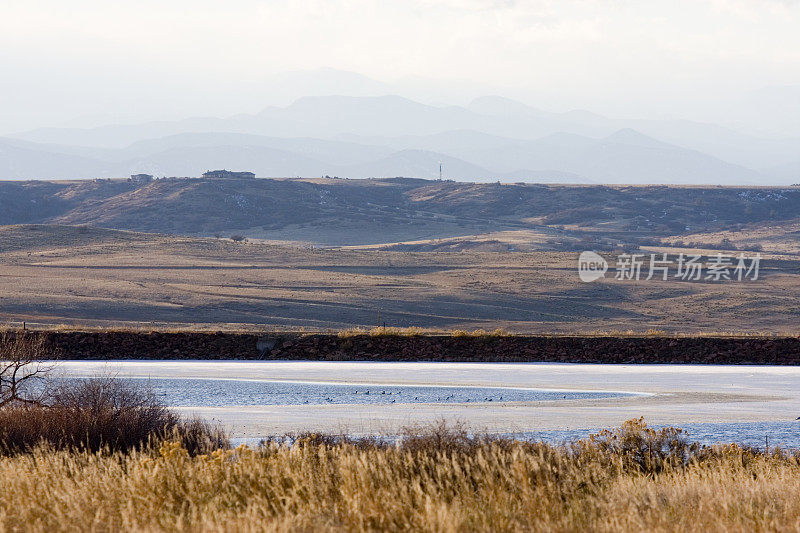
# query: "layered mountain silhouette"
491 139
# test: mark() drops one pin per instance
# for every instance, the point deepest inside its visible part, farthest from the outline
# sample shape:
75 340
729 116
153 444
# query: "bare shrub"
196 435
101 414
440 436
109 412
640 448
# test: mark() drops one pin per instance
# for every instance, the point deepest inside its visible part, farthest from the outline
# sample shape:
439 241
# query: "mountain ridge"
488 139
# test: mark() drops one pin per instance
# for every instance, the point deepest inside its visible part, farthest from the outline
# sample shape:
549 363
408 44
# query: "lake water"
784 434
230 392
539 401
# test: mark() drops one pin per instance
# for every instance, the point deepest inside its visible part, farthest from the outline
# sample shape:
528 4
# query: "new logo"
591 266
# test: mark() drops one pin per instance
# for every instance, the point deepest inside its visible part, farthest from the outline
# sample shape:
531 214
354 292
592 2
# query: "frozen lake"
746 404
194 392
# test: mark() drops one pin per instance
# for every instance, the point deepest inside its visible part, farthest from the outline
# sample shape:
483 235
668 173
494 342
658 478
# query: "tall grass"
631 479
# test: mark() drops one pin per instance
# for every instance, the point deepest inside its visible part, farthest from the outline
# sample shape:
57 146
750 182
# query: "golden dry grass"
629 480
498 332
383 331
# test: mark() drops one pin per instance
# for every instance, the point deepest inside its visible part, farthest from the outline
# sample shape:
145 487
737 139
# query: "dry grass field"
631 479
414 214
771 236
93 277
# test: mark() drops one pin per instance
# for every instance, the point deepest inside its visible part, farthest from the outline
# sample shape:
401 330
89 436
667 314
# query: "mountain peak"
634 138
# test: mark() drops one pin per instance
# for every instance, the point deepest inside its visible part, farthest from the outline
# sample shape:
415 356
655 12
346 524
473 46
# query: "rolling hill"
336 212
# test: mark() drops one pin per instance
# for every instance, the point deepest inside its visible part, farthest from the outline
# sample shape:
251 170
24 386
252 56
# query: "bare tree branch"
22 367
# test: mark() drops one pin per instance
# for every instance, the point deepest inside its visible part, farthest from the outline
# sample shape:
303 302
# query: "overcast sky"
97 61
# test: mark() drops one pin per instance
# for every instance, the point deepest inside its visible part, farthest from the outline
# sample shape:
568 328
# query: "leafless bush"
438 436
101 414
639 448
196 435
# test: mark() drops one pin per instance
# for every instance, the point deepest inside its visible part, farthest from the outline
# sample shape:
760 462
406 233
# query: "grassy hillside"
359 212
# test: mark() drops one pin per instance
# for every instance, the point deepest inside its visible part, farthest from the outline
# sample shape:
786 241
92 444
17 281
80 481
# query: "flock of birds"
451 397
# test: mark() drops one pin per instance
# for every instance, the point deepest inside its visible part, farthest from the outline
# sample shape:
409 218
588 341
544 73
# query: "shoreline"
675 395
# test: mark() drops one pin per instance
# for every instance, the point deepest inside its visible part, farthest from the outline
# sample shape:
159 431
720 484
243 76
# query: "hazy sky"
99 60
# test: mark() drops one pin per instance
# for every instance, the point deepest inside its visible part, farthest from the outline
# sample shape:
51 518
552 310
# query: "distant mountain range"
491 139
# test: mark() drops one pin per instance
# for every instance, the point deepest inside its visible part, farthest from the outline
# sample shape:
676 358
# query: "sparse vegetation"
351 332
383 331
412 331
499 332
435 479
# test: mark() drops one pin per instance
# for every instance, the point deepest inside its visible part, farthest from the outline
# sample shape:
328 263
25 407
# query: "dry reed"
633 479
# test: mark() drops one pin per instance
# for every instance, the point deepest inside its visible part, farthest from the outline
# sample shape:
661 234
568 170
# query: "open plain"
77 275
